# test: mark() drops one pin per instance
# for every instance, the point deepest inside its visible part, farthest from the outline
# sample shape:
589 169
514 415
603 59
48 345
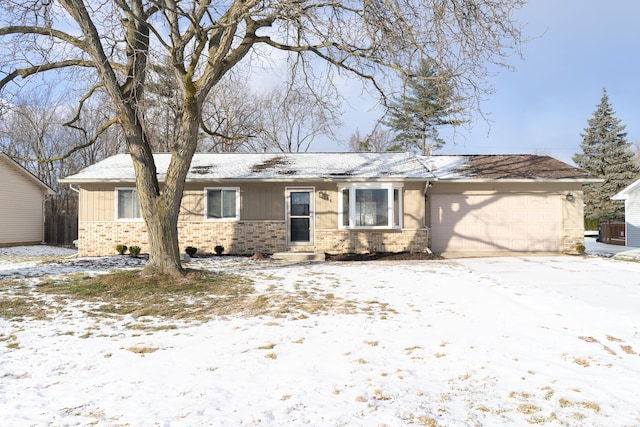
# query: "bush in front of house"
219 249
190 250
134 251
580 249
121 249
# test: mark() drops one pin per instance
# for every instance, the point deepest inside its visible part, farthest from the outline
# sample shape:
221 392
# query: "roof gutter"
270 180
523 180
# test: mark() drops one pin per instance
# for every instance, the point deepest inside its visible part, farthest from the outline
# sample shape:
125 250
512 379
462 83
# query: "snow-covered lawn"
469 342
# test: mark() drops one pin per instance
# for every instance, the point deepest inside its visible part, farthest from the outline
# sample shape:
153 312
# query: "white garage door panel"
522 222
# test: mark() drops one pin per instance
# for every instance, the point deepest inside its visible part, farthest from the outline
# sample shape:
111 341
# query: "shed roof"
342 167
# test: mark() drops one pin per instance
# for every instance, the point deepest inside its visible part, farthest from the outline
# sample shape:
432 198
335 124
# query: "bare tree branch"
44 31
26 72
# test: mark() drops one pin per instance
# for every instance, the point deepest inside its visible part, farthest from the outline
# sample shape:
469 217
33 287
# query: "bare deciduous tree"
162 105
231 115
116 40
293 117
32 131
377 141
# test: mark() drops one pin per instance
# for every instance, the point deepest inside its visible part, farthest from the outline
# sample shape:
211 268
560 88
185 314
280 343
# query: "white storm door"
300 215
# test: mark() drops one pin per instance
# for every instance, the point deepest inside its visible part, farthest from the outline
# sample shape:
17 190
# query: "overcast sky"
543 106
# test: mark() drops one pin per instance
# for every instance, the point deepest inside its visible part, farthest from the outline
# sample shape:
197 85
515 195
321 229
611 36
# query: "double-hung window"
222 204
370 205
127 206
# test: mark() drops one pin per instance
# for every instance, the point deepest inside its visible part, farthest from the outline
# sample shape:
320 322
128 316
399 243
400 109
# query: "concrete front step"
299 256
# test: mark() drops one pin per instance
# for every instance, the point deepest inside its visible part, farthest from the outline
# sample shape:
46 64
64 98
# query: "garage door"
522 222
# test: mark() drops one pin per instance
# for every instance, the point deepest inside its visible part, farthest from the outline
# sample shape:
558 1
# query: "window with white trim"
370 205
222 204
127 206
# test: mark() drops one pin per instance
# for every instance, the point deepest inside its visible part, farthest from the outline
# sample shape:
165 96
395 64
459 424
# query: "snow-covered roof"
509 167
269 167
342 167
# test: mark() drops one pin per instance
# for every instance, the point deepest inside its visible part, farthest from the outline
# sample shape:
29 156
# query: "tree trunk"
160 205
159 210
164 252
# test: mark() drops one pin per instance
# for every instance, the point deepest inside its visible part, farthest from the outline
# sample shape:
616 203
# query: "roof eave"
314 179
95 181
352 179
521 180
241 179
624 193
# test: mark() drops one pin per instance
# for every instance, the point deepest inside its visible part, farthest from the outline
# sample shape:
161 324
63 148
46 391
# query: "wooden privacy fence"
61 230
612 233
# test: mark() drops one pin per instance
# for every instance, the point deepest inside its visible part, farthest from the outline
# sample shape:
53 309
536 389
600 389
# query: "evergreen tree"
607 154
426 104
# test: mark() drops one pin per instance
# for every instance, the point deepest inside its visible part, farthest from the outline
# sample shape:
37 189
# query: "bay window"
370 205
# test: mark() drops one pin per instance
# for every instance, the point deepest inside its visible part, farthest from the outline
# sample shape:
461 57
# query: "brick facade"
571 238
246 238
101 238
238 238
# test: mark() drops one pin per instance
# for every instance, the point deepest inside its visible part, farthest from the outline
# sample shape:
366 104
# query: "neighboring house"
22 197
631 197
346 202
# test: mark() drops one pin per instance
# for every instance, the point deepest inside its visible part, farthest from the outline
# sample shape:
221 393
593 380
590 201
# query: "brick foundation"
358 241
246 238
249 237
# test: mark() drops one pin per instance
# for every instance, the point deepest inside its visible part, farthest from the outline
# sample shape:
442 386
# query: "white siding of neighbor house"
632 219
21 198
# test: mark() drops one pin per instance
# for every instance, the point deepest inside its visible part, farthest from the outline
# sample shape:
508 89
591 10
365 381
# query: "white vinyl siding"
632 217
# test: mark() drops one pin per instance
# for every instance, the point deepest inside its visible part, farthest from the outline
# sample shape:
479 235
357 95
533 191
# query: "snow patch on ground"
471 342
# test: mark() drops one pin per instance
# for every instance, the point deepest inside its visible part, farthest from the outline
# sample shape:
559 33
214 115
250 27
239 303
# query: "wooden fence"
60 230
612 233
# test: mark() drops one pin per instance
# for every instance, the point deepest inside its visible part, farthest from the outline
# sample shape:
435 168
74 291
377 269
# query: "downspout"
44 216
427 184
77 190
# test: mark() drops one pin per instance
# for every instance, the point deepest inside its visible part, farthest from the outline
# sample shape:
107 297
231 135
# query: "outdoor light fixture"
570 197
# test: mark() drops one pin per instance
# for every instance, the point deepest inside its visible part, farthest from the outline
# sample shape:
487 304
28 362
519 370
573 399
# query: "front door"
300 210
